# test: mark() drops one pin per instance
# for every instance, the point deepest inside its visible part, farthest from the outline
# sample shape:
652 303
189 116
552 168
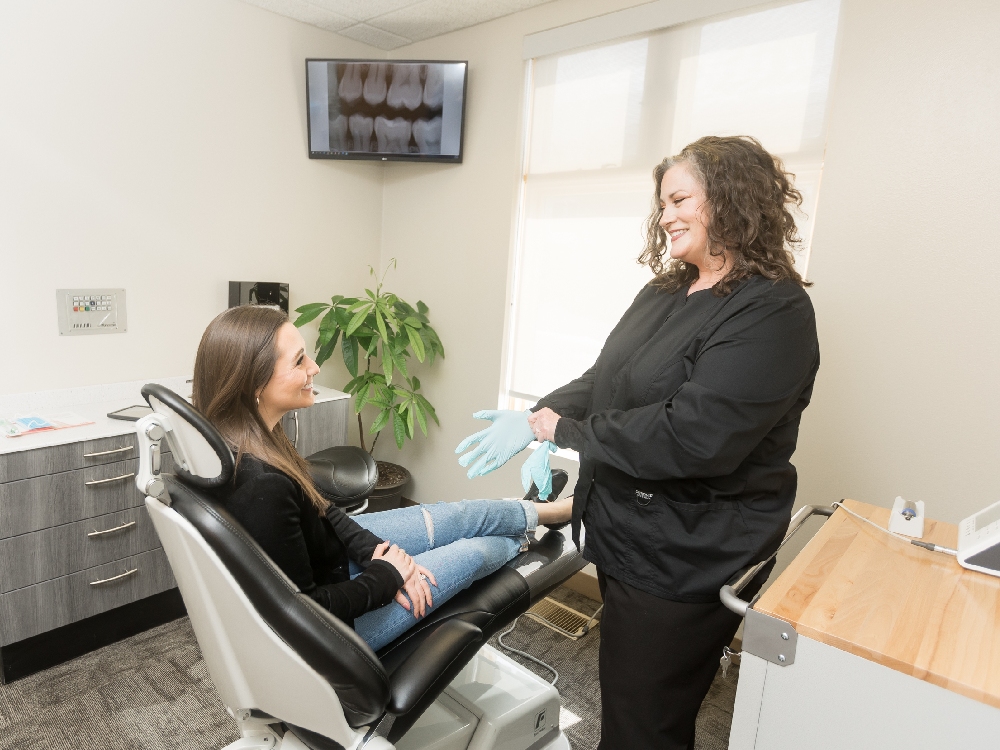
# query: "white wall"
904 256
161 146
905 260
450 228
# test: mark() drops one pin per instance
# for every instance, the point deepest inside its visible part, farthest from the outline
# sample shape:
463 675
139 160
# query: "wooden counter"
915 611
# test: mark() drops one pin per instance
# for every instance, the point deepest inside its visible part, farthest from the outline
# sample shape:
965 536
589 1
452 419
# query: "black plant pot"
388 492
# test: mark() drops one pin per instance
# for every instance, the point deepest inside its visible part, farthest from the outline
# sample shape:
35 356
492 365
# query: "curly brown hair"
748 198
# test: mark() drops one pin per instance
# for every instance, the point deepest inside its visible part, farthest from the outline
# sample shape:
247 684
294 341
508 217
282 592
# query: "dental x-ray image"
373 109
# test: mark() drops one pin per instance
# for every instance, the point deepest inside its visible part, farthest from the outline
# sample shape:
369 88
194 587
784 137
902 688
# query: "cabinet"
80 563
321 426
894 647
75 539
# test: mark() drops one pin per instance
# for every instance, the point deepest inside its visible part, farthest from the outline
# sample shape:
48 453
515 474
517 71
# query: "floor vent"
563 619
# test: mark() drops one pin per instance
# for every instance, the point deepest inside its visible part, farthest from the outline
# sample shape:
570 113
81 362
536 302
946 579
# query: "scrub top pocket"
691 542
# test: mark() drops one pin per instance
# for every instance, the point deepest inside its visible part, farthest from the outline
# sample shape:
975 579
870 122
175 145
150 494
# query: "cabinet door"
321 426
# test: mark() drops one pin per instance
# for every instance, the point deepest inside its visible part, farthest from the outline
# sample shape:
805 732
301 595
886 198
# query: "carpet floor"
152 692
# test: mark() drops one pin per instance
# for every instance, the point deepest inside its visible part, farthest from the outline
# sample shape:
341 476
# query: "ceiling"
388 24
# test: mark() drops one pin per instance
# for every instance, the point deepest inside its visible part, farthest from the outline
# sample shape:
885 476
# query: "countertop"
893 603
92 403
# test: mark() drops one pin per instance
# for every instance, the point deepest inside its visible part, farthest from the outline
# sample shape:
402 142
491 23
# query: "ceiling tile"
380 38
431 18
362 10
307 12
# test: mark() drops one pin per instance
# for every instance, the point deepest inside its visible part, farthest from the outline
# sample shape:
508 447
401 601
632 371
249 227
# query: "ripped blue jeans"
458 542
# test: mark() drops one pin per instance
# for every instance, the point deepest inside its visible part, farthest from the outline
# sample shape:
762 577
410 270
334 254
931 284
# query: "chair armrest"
438 660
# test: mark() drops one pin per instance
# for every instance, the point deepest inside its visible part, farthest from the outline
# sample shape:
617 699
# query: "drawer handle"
107 453
111 531
115 578
113 479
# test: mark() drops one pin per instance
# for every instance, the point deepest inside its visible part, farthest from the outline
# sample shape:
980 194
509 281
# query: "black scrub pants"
657 661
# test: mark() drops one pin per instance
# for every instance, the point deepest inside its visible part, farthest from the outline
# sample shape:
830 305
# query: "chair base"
493 702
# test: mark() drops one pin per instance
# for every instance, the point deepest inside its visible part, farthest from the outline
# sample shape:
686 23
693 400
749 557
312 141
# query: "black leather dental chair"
296 677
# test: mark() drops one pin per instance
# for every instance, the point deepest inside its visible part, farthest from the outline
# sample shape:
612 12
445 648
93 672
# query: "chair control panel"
85 312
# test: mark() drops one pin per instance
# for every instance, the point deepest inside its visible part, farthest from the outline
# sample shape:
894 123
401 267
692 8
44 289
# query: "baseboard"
78 638
584 584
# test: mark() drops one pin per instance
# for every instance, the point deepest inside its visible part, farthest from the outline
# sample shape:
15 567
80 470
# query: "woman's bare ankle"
558 511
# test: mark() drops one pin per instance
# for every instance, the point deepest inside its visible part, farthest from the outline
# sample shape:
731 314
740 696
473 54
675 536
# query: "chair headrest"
203 457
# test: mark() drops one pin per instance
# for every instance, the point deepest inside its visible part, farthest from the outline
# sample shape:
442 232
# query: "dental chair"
295 677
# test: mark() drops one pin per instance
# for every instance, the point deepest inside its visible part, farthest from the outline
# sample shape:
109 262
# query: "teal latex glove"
497 444
536 469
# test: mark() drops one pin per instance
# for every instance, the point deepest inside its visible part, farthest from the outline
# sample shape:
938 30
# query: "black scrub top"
685 427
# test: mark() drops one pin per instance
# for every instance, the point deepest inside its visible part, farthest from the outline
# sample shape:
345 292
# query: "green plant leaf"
356 321
326 350
358 303
354 384
309 313
343 317
415 384
380 322
329 322
428 408
361 398
370 293
398 429
387 362
422 308
412 322
350 349
336 299
409 420
421 417
416 342
397 359
381 420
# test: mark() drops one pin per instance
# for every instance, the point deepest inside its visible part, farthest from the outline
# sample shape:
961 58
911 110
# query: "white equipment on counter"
907 518
979 541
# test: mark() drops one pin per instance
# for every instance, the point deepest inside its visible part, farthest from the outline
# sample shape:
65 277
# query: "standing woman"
685 427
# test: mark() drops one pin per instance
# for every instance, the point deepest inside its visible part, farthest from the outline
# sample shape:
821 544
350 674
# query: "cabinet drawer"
44 606
32 504
60 458
50 553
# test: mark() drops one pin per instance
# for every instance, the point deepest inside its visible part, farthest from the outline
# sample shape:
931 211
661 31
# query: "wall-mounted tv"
386 110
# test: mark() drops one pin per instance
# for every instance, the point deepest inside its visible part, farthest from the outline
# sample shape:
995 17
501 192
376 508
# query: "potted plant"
378 333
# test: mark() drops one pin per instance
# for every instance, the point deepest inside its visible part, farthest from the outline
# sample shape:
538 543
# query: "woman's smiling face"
291 385
685 215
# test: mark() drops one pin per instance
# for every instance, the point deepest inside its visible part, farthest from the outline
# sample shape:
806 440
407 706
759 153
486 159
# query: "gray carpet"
152 692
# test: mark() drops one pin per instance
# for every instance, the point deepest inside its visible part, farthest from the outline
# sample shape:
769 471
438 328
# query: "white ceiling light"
388 24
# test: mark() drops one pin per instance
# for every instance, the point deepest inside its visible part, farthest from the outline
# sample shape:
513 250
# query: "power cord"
917 542
524 655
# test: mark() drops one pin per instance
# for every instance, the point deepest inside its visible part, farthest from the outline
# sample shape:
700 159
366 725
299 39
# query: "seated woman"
377 572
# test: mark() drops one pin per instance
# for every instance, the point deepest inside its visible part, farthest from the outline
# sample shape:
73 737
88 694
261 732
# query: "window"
600 119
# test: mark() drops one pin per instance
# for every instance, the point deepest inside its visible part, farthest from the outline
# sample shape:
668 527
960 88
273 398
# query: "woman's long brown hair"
235 360
749 218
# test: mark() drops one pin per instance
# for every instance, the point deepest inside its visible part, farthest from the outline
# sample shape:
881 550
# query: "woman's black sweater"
311 549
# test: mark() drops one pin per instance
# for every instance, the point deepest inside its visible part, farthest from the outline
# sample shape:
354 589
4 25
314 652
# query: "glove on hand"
536 469
501 441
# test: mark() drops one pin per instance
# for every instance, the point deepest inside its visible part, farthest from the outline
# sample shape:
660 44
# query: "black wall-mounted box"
258 293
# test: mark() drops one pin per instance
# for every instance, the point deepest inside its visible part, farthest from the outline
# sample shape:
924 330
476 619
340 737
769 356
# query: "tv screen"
399 110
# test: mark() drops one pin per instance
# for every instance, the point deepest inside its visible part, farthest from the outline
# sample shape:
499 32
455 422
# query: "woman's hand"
397 558
543 424
418 590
